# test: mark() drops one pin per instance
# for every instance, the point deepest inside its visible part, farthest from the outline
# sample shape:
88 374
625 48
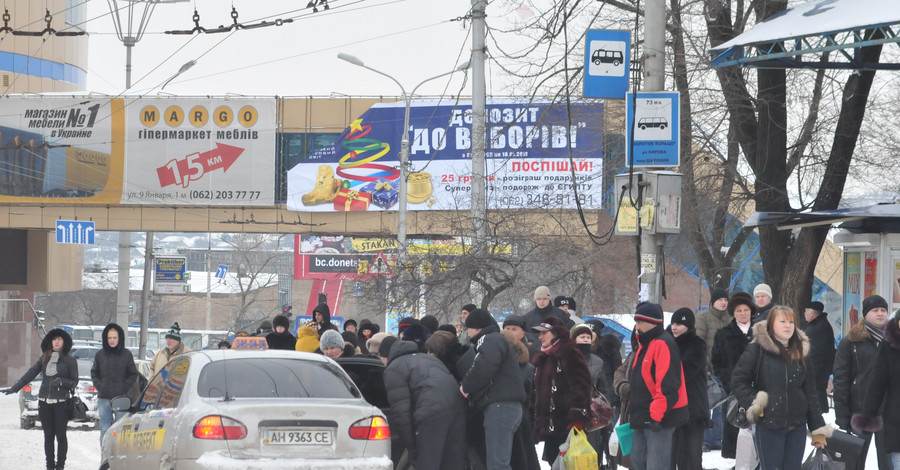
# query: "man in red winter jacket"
658 395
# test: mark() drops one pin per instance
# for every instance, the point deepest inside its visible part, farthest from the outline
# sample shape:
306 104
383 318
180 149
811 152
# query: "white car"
245 409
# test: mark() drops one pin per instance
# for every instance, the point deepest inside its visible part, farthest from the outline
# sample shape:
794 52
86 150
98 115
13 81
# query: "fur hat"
47 342
554 325
350 337
350 322
174 332
384 349
439 343
684 316
307 339
741 298
559 301
762 289
331 339
542 292
281 320
374 342
873 301
417 334
430 322
817 306
649 312
479 318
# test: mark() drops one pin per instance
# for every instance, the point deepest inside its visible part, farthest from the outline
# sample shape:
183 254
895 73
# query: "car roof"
226 354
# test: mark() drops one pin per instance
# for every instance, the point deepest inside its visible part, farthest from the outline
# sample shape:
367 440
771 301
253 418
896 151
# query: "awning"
880 218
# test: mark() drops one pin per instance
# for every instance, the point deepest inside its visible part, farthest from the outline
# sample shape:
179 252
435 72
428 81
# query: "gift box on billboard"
384 193
349 200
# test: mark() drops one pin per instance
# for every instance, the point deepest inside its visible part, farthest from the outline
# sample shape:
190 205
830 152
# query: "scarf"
744 327
876 333
51 364
550 349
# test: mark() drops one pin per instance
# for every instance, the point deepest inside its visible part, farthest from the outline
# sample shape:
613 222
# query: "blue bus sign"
606 64
651 128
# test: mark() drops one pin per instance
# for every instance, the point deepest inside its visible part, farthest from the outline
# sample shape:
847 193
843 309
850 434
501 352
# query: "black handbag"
736 414
845 447
76 408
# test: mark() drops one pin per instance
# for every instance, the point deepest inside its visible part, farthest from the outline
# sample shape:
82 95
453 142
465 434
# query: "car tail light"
220 428
27 388
373 428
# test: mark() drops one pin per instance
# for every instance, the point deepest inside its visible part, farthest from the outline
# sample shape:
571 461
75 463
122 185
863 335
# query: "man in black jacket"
426 412
687 443
494 385
113 374
853 363
821 342
543 309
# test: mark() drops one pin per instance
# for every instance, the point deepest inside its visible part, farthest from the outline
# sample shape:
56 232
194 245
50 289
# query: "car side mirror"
121 403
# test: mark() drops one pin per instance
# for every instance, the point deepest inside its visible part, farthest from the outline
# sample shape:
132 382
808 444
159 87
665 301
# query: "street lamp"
184 68
404 146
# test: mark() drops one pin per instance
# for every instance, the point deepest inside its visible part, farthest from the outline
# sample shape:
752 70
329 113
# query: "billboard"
146 151
532 150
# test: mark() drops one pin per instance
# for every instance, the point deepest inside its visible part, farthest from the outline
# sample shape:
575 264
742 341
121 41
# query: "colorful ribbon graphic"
358 145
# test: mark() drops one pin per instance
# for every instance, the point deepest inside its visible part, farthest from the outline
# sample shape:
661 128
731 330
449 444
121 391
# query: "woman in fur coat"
773 381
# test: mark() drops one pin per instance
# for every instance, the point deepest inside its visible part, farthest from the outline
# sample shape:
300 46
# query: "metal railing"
21 310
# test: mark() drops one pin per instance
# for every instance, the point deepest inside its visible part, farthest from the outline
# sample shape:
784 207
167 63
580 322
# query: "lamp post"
404 148
184 68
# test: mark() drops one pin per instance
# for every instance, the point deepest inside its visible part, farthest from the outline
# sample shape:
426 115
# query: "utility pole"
479 139
654 67
145 294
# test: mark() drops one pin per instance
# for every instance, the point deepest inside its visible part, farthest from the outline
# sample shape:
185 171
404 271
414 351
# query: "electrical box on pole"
651 199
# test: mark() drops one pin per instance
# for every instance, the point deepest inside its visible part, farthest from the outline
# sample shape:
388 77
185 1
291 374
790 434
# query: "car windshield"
274 377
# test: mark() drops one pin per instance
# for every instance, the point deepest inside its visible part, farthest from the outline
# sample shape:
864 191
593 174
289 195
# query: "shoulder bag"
734 412
601 412
76 408
715 392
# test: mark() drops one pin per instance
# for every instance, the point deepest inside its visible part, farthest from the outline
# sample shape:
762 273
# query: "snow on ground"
24 448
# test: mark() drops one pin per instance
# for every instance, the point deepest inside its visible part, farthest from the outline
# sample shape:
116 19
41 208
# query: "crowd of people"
481 394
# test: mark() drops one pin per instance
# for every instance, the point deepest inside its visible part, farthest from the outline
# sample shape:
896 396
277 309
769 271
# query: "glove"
656 427
818 440
57 382
577 425
8 391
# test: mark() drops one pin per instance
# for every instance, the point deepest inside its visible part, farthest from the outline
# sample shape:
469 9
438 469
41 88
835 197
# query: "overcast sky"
409 39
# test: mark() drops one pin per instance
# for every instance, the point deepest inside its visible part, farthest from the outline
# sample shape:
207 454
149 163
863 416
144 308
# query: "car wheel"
662 127
615 63
596 62
27 422
643 127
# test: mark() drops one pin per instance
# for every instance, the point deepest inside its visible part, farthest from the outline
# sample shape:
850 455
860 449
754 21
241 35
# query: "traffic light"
287 311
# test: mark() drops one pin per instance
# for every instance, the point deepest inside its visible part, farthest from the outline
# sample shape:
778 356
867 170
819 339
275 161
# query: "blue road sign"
651 120
79 232
221 271
170 268
606 64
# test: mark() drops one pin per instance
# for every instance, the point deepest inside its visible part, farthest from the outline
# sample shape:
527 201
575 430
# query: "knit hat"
554 325
873 301
281 320
375 341
684 316
716 294
469 307
595 325
479 318
649 312
331 339
817 306
571 303
741 298
307 339
350 337
558 301
430 322
350 322
384 349
406 321
581 329
514 320
174 332
448 328
417 334
762 289
542 292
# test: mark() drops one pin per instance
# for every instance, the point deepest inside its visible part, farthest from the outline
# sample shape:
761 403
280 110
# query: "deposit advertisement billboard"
531 151
146 151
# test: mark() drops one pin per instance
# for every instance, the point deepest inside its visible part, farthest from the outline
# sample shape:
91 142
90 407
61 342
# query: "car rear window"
274 377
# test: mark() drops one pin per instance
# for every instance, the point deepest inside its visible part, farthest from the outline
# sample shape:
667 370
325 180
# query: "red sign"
196 165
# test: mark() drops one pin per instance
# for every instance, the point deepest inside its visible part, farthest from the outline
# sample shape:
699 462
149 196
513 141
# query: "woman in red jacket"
562 387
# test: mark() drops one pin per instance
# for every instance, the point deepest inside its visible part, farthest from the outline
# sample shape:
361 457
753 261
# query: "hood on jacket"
324 310
762 337
47 342
121 345
859 333
892 333
402 348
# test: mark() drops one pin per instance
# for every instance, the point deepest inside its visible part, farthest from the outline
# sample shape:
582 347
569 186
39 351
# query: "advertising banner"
852 287
170 151
200 151
532 151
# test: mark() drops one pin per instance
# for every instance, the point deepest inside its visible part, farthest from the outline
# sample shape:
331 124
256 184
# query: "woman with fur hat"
60 372
366 330
281 338
728 346
774 381
562 387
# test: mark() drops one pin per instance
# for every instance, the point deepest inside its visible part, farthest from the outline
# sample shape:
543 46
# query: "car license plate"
298 437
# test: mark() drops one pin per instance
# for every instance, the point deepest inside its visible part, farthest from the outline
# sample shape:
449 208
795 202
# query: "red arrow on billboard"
195 165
